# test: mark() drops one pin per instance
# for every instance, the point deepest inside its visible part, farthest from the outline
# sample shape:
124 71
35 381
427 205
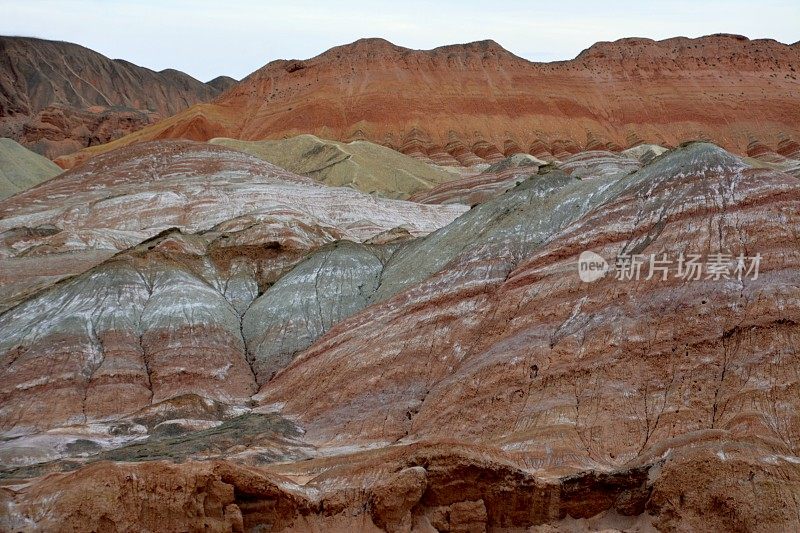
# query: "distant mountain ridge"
57 97
477 102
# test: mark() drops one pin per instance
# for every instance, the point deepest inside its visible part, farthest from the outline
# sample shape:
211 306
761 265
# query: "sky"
235 37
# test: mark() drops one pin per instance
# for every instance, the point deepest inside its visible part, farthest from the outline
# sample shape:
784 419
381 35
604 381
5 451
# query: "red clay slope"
478 99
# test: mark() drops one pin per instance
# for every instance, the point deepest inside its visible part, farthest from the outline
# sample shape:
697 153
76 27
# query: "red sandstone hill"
478 101
58 97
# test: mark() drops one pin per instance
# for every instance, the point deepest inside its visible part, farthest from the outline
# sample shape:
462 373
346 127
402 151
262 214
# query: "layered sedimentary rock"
477 102
510 347
161 249
115 202
329 286
347 375
21 169
480 184
786 158
361 165
644 152
57 97
599 163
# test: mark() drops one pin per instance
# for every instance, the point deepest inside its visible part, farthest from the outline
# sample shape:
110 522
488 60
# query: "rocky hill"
362 165
477 102
58 97
222 83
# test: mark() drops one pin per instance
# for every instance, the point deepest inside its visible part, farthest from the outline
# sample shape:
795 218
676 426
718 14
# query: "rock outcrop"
477 102
21 169
362 165
57 97
522 353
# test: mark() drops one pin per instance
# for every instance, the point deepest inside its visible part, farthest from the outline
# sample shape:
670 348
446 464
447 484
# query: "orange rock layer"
465 104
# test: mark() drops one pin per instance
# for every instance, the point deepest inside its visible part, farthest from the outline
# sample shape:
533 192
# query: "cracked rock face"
278 354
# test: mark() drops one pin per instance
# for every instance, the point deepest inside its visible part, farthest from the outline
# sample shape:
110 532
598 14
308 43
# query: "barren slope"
477 102
58 97
21 169
290 364
362 165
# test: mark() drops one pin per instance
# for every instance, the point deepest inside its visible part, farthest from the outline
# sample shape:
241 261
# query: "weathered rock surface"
124 198
450 487
644 152
21 169
464 380
479 183
329 286
598 163
160 314
474 103
515 350
503 274
787 158
57 97
478 186
362 165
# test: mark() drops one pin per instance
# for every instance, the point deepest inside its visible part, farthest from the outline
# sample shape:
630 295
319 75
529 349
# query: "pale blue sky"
235 37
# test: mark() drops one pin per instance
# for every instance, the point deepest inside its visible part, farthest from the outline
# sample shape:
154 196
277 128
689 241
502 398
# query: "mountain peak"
362 46
372 45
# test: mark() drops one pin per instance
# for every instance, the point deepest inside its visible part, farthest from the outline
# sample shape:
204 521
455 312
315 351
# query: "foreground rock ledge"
420 487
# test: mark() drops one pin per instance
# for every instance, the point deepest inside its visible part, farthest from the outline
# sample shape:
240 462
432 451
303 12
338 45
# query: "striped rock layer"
338 373
477 102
